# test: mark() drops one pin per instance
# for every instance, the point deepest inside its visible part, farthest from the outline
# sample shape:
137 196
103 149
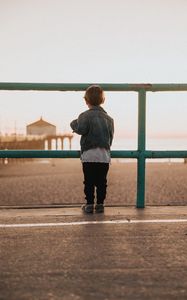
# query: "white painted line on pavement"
126 221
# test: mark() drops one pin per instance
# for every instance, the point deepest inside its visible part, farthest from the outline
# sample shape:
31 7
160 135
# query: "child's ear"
87 102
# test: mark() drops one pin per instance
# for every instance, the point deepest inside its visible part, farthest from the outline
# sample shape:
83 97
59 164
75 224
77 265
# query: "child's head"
94 95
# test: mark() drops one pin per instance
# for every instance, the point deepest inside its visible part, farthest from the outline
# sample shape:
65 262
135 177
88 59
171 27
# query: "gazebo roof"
41 123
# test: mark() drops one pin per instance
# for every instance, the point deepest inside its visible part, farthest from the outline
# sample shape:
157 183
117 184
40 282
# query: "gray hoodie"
96 128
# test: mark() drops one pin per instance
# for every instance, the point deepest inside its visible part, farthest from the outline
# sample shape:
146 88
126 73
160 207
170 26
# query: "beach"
60 182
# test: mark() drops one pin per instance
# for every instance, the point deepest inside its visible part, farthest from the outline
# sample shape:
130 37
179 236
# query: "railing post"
141 149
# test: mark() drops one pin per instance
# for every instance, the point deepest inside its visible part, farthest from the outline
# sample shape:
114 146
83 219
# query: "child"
96 128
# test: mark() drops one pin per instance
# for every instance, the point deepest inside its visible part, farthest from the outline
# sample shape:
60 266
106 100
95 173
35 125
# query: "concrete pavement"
97 260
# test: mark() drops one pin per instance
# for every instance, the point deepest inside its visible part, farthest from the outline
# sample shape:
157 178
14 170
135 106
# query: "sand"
59 181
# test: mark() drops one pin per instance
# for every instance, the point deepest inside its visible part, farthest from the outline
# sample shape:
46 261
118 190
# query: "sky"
100 41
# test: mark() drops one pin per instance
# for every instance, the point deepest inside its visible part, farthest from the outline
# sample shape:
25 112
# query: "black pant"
95 175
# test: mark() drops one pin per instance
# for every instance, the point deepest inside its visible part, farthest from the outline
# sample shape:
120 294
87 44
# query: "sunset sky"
100 41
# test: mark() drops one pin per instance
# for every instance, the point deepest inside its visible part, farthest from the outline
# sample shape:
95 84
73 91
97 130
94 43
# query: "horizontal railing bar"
76 154
17 86
39 154
166 154
59 154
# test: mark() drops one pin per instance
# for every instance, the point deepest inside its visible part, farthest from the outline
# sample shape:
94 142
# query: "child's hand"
73 125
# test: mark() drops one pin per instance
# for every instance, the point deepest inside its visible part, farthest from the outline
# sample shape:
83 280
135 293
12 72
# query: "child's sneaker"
88 208
99 208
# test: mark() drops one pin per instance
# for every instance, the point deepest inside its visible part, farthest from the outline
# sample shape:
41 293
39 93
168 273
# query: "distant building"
41 127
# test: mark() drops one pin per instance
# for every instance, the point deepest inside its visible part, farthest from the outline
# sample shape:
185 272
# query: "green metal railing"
141 154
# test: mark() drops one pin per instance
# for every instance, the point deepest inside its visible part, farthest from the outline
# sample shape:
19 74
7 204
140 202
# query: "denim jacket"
96 128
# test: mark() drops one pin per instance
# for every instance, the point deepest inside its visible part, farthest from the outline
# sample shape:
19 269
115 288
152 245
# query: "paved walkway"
60 253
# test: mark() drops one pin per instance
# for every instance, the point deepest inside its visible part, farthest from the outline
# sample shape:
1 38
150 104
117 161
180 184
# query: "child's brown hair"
94 95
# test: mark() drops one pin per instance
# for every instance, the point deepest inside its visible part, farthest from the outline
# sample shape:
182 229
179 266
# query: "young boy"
96 128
